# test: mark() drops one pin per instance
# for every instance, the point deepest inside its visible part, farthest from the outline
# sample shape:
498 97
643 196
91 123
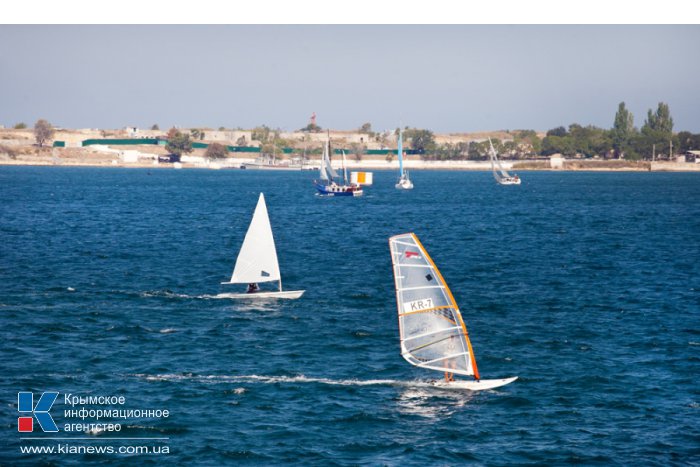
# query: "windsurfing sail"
432 332
257 260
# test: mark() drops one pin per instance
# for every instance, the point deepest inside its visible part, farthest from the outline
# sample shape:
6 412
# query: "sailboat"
404 182
326 185
257 260
432 332
499 173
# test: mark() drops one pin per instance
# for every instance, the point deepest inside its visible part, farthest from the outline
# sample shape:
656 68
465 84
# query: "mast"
328 145
345 171
492 154
400 148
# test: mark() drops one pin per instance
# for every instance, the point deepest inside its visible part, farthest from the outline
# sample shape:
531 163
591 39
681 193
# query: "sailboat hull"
339 190
285 294
404 184
480 385
509 181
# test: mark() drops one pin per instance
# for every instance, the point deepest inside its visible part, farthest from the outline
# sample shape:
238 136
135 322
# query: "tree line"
654 140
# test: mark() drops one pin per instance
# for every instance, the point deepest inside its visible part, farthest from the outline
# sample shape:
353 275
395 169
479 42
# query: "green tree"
478 150
43 131
657 130
558 131
178 143
422 141
20 126
366 128
358 151
261 133
688 141
216 151
558 145
528 143
622 131
155 127
312 128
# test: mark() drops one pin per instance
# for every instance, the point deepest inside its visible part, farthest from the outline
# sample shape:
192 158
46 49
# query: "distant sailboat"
499 173
326 185
432 332
257 260
404 182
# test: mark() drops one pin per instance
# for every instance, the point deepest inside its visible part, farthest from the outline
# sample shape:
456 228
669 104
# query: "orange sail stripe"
426 310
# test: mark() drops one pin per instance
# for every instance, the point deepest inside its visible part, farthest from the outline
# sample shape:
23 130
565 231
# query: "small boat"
432 332
266 162
257 260
327 185
499 173
404 182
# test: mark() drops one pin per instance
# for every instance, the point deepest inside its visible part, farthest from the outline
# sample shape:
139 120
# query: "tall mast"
345 171
400 148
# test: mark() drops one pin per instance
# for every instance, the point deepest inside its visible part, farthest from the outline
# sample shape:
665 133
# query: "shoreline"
466 166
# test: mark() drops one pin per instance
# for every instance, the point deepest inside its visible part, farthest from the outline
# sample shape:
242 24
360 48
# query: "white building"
556 161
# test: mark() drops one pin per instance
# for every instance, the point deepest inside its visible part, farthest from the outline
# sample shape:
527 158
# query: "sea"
585 285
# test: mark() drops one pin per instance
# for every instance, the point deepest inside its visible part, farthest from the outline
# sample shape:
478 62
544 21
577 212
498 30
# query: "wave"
164 294
170 294
297 379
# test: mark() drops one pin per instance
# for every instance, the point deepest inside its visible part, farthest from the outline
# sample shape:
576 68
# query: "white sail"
323 171
257 260
432 332
499 173
345 170
331 172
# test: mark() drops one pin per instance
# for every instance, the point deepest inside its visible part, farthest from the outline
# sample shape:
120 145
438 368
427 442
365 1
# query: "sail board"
257 260
432 332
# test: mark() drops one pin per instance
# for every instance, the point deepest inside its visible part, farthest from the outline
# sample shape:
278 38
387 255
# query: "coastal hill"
373 150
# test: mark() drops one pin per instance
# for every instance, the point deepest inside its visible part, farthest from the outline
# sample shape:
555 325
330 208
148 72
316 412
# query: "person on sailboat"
252 288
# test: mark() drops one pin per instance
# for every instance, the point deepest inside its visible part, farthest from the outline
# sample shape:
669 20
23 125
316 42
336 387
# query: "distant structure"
132 131
692 157
556 161
312 121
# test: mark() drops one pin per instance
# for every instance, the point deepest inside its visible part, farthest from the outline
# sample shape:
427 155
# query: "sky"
446 78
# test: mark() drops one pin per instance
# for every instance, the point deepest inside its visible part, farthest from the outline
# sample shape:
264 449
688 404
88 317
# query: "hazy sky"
444 78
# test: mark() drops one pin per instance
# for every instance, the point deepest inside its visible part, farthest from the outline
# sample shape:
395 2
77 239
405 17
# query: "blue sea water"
585 285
